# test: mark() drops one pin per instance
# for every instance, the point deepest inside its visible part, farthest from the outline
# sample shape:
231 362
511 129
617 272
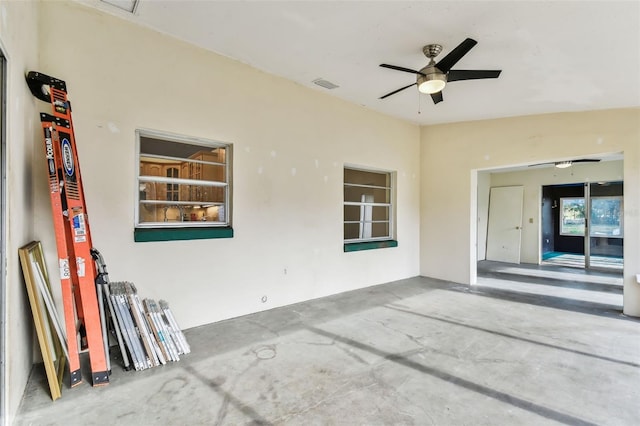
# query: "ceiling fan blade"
457 75
455 55
397 68
437 97
396 91
581 160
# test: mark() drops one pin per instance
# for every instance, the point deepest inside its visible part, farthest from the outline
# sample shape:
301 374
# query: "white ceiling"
555 55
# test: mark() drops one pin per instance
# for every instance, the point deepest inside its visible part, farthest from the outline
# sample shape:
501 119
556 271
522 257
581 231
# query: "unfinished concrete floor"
418 351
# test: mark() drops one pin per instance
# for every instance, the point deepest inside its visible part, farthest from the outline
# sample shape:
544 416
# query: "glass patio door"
604 230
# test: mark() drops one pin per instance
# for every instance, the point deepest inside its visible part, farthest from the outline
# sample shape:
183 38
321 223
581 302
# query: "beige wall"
18 39
453 153
532 181
290 144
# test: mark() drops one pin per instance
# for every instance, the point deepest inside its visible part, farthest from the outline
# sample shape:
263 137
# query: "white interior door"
505 224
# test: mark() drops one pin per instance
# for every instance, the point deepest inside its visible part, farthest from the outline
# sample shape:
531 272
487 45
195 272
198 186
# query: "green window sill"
143 235
370 245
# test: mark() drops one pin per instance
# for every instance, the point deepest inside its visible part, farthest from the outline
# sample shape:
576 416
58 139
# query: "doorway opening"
594 208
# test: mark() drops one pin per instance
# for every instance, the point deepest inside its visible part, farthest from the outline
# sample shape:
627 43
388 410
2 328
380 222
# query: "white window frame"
366 207
206 144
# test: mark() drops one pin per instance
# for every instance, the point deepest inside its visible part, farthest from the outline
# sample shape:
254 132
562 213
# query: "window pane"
351 231
362 177
380 230
572 221
174 213
380 213
187 169
606 217
178 150
351 213
365 213
196 194
199 170
373 195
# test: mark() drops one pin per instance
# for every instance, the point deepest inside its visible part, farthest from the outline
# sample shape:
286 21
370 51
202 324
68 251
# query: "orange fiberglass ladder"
82 310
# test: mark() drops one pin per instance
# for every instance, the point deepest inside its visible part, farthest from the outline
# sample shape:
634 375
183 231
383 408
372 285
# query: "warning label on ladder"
79 228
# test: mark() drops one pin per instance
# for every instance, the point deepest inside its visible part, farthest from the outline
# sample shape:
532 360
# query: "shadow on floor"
578 290
405 361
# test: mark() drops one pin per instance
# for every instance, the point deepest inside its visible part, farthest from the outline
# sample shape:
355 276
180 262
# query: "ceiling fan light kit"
432 81
563 164
434 77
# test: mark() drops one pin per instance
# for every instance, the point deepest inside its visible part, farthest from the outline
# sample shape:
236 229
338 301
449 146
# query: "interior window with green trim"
368 206
183 182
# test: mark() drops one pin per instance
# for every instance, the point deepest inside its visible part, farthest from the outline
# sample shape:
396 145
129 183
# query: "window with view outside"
368 212
182 182
572 216
606 217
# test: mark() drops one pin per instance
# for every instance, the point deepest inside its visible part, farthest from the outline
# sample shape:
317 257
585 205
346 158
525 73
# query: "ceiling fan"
569 163
432 78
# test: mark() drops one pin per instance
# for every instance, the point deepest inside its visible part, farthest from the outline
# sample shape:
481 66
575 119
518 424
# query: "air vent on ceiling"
325 83
126 5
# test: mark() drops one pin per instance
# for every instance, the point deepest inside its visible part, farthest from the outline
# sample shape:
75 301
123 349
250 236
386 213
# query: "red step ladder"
73 237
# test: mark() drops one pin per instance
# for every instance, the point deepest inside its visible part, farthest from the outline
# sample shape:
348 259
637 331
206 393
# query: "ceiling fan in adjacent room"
569 163
433 78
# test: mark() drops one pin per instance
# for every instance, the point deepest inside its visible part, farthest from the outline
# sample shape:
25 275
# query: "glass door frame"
587 225
588 200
